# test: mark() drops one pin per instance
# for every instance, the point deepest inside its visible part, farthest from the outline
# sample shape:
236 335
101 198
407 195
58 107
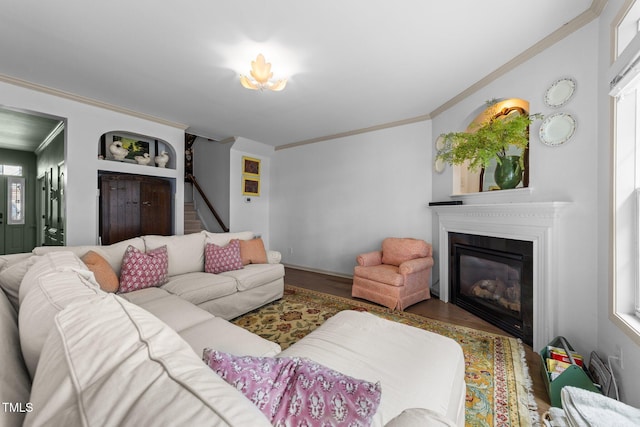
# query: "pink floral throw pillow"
300 392
218 259
143 270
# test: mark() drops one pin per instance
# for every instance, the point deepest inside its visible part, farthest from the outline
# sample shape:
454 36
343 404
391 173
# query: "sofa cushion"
143 270
47 264
102 270
11 277
219 259
253 252
255 275
10 259
222 335
294 391
200 287
142 296
177 313
222 239
50 295
15 384
186 252
110 363
112 253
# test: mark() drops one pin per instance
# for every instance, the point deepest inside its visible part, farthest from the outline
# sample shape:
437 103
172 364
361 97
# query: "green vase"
508 173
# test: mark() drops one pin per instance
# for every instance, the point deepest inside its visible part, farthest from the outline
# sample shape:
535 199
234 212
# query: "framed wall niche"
466 181
136 149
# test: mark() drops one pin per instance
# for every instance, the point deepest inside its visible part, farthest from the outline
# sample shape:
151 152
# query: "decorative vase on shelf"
508 173
118 151
162 159
143 160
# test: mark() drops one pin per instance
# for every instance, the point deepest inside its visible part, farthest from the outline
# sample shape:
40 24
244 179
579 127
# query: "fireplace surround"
535 222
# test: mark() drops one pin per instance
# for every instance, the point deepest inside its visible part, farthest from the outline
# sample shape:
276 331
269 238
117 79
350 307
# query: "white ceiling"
351 64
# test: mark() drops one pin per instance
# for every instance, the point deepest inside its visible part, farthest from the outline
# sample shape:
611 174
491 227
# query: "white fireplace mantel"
530 221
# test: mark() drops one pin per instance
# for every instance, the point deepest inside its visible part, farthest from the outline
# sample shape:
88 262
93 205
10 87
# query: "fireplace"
492 277
534 222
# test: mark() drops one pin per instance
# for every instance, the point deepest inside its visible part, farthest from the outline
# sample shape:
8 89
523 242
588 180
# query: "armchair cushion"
396 250
387 274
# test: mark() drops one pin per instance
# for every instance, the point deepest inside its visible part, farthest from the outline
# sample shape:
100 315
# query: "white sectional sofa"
227 295
74 355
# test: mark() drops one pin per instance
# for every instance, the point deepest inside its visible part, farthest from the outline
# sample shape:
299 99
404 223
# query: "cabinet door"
119 209
155 207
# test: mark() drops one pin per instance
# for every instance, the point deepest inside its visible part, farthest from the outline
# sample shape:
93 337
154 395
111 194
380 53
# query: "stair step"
192 223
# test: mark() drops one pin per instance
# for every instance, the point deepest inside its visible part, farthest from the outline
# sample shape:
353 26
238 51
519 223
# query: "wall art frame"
250 166
250 186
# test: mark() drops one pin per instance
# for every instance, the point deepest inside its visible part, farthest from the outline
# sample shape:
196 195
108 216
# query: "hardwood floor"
433 309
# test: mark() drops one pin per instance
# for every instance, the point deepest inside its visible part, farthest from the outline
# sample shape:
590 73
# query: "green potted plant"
500 133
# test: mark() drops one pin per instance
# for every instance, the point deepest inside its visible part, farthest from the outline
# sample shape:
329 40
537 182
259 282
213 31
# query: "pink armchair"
396 276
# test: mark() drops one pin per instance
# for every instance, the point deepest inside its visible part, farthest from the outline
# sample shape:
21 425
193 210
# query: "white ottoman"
416 368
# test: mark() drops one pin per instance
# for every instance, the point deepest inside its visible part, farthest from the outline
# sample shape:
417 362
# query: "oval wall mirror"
560 92
556 129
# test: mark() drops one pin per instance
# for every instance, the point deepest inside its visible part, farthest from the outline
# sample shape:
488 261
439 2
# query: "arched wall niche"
466 181
137 149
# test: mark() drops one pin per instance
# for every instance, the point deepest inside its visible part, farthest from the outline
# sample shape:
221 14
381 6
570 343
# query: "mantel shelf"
525 209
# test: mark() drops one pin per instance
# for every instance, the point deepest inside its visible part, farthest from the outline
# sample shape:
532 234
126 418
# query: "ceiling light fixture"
261 73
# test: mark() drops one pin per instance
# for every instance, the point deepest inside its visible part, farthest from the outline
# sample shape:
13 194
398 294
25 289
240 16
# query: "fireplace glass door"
494 284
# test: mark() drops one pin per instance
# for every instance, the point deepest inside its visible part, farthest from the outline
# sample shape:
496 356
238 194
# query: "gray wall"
336 199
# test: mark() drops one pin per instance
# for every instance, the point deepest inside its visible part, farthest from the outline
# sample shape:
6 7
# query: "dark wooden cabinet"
133 205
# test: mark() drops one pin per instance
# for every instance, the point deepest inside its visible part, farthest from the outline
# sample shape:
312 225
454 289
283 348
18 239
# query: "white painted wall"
333 200
609 335
565 173
254 215
211 165
85 125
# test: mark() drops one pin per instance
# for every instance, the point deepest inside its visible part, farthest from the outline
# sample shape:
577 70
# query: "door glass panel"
15 189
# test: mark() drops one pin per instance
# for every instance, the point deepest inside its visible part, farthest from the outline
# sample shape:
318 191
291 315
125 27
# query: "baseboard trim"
314 270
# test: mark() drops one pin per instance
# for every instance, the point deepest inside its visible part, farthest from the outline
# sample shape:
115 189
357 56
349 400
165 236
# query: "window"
625 88
10 170
628 27
15 189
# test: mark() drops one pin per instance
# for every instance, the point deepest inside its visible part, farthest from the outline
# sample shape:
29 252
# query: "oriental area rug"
498 383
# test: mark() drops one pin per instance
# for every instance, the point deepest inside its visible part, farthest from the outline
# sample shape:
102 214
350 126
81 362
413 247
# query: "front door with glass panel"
12 209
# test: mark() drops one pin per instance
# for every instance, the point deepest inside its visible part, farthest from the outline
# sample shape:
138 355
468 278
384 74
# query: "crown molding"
575 24
355 132
88 101
52 135
569 28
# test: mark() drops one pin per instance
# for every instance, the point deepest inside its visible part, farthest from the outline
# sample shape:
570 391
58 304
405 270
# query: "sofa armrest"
417 264
274 257
370 258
